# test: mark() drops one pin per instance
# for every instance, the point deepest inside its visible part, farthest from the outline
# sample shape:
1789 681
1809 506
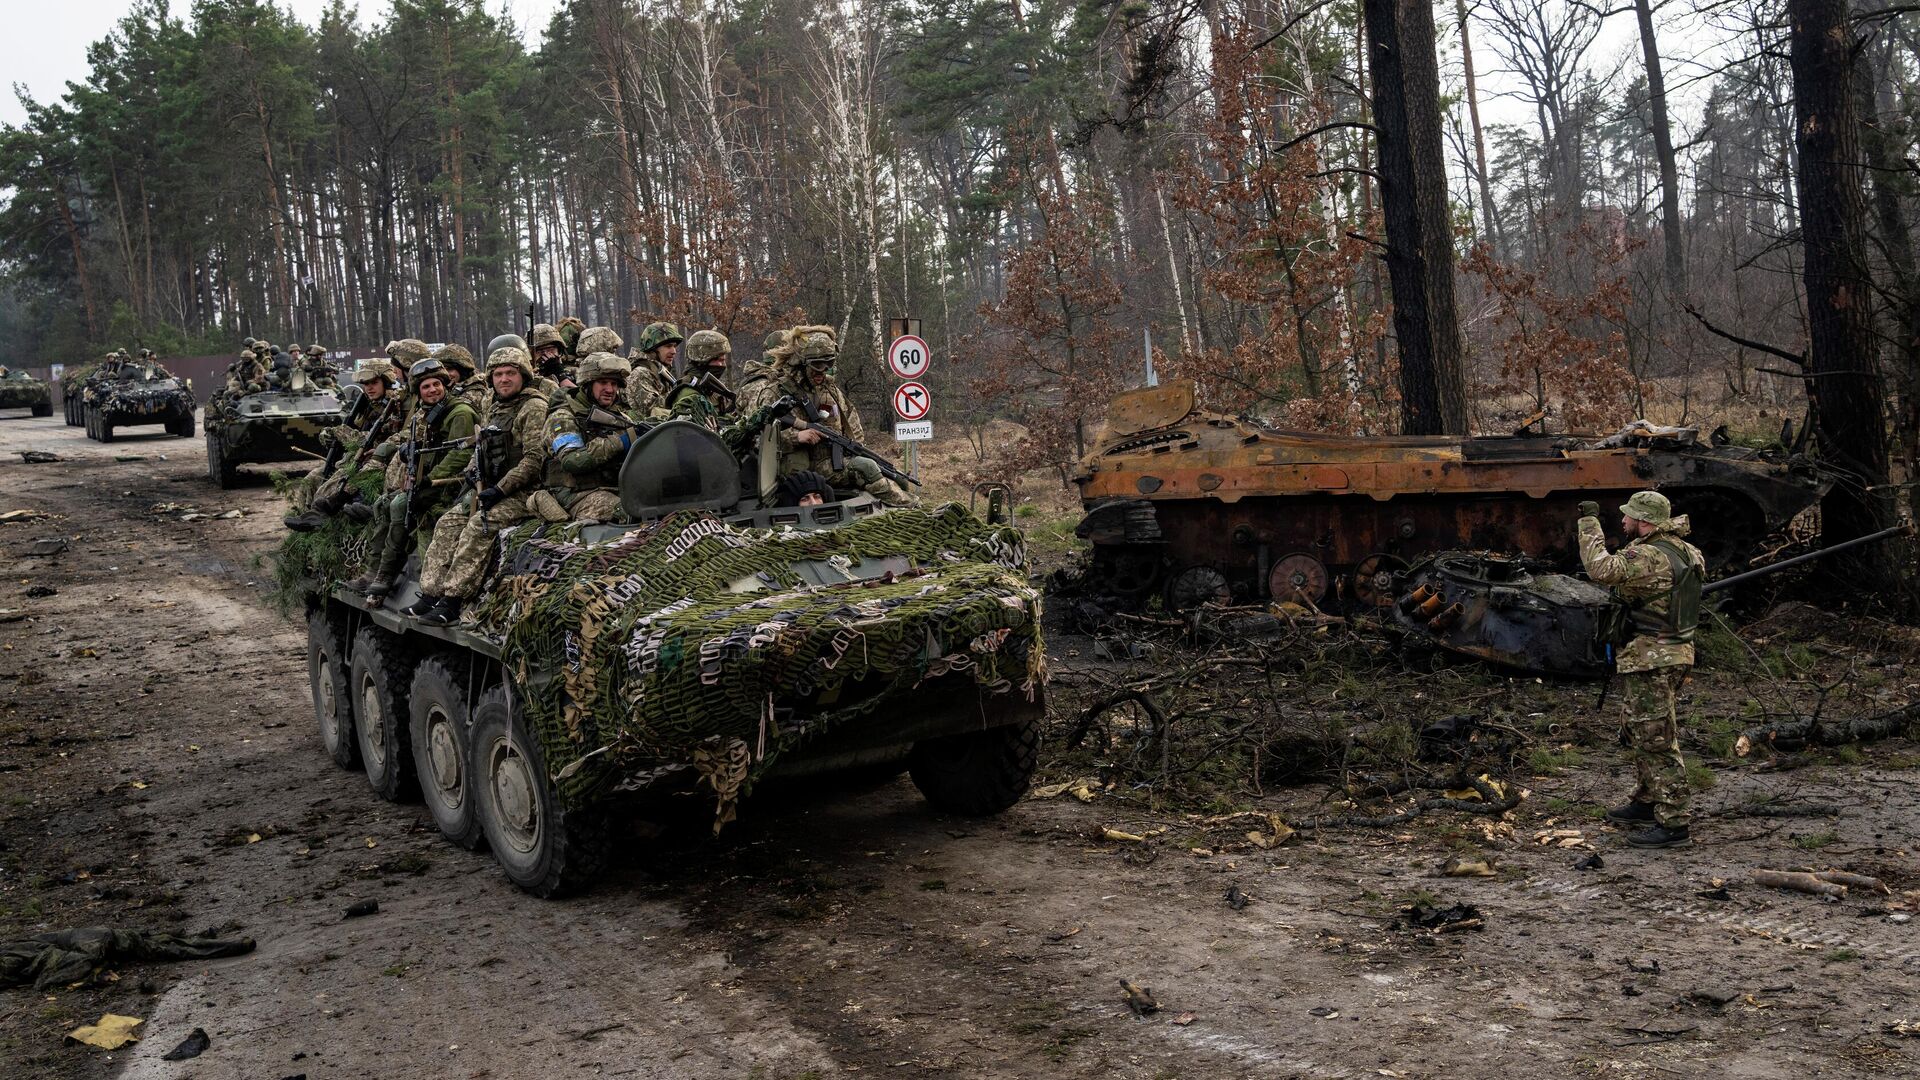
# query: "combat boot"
445 610
306 522
422 608
1659 836
369 584
357 512
1634 813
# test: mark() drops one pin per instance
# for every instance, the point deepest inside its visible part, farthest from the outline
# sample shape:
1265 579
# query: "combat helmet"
506 341
705 346
658 334
544 334
316 351
774 343
569 330
377 370
406 351
596 339
456 357
602 365
511 356
247 343
425 369
810 345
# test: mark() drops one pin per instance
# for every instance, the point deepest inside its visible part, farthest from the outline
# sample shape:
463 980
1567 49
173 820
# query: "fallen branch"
1099 708
1852 880
1806 883
1815 732
1492 803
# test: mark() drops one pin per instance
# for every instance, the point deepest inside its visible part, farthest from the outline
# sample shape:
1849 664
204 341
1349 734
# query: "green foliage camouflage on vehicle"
687 639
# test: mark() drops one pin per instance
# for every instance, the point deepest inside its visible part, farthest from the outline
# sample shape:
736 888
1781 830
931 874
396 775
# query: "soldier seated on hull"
434 449
702 396
512 460
1659 576
365 424
653 361
806 373
551 355
589 430
590 340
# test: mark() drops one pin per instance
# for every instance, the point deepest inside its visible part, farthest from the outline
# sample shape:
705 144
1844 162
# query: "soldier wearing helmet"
1658 575
432 452
551 356
806 373
653 366
702 396
365 422
313 364
460 362
589 429
512 462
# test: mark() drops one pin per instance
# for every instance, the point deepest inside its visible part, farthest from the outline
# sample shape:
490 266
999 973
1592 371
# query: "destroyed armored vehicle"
140 394
1196 507
272 425
1516 613
715 642
20 390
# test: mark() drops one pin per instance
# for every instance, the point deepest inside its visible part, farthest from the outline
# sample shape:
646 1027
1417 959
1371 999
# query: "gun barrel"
1716 586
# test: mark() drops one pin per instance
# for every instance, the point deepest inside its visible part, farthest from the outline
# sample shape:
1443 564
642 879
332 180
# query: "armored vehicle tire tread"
978 773
219 469
381 678
439 730
327 678
543 847
45 409
181 428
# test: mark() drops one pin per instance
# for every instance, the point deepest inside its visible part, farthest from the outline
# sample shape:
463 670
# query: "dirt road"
160 769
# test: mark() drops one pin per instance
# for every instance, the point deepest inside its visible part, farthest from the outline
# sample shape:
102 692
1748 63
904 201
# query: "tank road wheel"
545 848
380 678
979 772
1298 578
439 734
1195 586
1373 580
327 676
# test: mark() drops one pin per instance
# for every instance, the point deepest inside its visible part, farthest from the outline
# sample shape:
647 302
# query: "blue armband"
569 441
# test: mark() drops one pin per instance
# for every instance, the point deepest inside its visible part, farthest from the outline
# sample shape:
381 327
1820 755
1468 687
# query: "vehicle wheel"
381 678
221 471
544 848
439 734
181 428
67 405
86 421
45 409
105 426
977 773
327 675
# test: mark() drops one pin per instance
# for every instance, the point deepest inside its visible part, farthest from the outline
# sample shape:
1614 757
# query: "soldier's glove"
1589 509
489 496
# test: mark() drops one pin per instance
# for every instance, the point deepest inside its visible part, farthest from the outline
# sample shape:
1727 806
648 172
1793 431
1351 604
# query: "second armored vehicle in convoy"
716 640
1195 507
20 390
136 394
276 424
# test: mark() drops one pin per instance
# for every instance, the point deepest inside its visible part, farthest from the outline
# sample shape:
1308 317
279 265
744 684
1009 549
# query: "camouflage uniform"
831 409
557 369
1655 661
438 470
463 541
652 379
706 352
584 456
318 371
470 390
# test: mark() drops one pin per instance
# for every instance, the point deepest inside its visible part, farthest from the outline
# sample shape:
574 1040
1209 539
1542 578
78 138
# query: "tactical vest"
1673 616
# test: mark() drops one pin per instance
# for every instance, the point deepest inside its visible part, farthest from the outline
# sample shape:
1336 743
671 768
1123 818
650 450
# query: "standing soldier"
513 460
435 448
652 362
1658 574
807 375
584 455
702 396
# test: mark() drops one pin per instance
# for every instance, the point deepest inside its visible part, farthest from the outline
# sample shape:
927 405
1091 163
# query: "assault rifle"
412 454
839 446
380 422
339 442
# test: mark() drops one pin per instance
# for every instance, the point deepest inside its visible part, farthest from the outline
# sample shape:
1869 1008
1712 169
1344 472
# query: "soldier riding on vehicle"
702 396
807 375
653 362
589 430
433 453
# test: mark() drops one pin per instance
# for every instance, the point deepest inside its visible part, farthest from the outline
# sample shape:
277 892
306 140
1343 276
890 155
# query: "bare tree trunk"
1413 191
1479 137
1671 239
1846 387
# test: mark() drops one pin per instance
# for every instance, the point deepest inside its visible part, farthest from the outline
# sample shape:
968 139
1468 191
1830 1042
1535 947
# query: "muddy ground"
159 769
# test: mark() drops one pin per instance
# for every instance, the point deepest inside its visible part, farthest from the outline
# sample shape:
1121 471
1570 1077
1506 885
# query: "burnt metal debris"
1192 506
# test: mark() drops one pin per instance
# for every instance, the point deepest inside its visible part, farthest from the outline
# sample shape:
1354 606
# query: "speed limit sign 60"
908 356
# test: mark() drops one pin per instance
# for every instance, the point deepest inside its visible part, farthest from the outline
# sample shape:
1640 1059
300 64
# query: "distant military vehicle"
20 390
280 424
717 641
73 384
1196 507
139 394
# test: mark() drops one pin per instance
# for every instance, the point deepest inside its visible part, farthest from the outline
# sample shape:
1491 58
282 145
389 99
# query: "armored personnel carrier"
20 390
281 424
714 642
1196 507
73 384
138 395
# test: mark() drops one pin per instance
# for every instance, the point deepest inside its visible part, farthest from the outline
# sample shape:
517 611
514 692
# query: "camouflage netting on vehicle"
637 658
332 553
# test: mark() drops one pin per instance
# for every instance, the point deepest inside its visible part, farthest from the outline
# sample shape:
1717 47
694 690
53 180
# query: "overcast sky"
61 30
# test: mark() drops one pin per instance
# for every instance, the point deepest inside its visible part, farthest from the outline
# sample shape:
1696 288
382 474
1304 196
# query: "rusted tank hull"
1203 507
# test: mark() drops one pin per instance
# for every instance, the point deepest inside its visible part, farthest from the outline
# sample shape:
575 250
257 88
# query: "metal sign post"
909 358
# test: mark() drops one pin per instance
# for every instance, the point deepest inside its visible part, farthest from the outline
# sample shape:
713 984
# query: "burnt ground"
159 770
